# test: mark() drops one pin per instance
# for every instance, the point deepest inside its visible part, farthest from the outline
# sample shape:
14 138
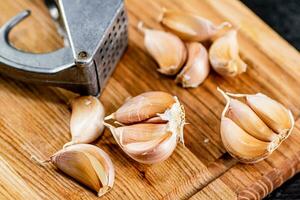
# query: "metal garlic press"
95 35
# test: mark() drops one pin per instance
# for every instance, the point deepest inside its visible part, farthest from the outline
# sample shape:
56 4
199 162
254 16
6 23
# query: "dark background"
284 17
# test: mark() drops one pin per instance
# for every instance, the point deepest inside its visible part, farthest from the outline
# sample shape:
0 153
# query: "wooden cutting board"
34 120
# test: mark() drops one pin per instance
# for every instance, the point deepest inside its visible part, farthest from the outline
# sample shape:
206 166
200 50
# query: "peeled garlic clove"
87 164
86 123
167 49
152 143
274 114
242 145
224 55
143 107
190 27
246 118
196 69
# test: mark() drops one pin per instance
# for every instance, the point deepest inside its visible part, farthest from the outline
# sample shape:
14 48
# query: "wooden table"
34 120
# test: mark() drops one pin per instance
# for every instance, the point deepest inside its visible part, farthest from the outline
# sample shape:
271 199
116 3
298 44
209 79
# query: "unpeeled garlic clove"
190 27
242 145
86 122
87 164
274 114
245 132
224 55
197 67
143 107
152 140
167 49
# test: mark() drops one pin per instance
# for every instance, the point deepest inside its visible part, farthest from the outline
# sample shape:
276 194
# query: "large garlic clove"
152 143
274 114
197 67
224 55
143 107
87 164
242 145
86 123
167 49
190 27
246 118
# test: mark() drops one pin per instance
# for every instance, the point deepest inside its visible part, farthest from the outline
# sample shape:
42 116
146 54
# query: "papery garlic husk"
190 27
246 135
143 107
88 165
224 55
197 67
86 123
167 49
151 143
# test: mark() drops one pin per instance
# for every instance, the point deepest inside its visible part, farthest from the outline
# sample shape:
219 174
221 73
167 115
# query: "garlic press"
95 35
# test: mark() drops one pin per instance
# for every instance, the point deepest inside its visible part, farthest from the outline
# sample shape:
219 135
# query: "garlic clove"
87 164
86 123
152 143
274 114
155 120
167 49
190 27
224 55
242 145
197 67
246 118
143 107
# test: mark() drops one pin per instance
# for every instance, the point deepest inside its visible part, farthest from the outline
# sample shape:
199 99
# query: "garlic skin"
224 55
190 27
246 132
87 164
143 107
86 122
167 49
153 139
197 67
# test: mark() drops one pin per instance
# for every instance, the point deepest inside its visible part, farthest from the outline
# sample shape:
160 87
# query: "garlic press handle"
56 68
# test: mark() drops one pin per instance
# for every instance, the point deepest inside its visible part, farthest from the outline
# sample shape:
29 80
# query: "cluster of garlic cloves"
151 125
197 67
190 27
167 49
253 129
224 55
87 164
86 123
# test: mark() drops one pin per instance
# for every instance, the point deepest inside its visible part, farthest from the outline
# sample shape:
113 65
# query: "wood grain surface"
34 120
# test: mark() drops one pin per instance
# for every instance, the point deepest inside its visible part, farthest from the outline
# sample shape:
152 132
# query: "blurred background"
284 17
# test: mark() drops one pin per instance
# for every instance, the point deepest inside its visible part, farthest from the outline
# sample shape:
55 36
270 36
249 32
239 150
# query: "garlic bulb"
86 123
167 49
197 67
87 164
224 55
253 129
155 123
190 27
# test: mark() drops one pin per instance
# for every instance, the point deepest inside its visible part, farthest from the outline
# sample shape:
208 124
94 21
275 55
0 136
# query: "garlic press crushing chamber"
95 35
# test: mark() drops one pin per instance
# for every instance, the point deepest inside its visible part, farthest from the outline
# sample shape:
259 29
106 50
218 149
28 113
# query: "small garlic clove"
246 118
224 55
167 49
274 114
143 107
86 123
197 67
242 145
87 164
150 143
190 27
